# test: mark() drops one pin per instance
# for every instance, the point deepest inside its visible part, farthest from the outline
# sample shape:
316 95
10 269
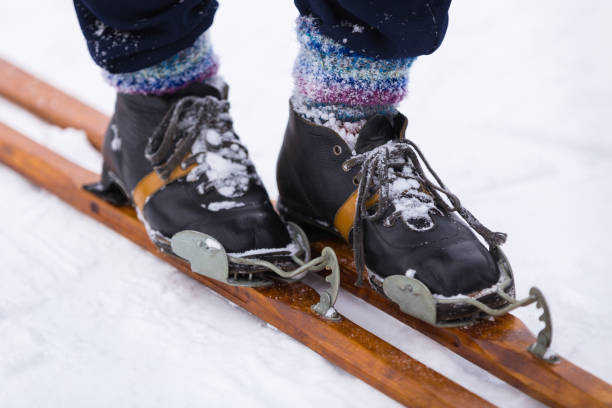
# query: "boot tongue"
378 130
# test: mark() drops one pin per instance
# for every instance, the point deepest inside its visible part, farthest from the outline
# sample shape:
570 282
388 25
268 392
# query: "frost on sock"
196 63
340 89
326 115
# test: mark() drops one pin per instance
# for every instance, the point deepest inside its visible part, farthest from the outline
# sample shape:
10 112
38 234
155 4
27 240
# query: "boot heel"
108 190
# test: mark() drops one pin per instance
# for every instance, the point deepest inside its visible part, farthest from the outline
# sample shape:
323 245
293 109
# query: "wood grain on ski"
499 347
49 103
286 307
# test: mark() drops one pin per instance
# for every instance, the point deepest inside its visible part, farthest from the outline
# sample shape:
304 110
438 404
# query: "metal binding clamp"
207 257
415 299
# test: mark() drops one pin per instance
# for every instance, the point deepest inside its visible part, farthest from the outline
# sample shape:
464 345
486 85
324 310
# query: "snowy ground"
513 111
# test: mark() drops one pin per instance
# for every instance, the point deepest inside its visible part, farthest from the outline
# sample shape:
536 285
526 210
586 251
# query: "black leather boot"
380 199
177 160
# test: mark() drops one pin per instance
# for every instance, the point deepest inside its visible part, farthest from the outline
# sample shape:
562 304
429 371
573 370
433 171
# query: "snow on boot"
407 239
177 160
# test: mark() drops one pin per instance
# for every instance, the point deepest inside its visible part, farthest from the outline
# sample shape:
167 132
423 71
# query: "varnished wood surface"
50 103
286 307
498 347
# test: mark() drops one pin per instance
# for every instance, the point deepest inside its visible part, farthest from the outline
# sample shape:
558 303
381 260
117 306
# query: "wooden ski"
286 307
498 346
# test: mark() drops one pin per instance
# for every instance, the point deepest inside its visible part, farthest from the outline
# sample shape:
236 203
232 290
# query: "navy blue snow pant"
128 35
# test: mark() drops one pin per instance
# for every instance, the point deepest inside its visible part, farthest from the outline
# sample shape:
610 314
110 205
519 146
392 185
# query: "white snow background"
513 111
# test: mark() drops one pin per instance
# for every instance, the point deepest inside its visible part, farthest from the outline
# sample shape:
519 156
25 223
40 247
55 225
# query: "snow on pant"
126 36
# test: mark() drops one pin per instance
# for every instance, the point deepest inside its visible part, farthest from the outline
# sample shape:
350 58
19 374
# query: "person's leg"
170 150
152 46
355 57
382 29
346 165
128 36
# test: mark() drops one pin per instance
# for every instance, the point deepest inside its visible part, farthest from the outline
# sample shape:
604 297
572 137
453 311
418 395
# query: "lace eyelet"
337 150
356 181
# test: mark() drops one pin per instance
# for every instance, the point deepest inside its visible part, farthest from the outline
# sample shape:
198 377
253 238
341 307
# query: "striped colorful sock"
340 89
196 63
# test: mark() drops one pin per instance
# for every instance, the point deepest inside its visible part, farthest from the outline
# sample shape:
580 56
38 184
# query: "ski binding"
207 257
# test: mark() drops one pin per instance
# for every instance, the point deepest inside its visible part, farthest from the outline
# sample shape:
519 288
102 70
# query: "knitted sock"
340 89
196 63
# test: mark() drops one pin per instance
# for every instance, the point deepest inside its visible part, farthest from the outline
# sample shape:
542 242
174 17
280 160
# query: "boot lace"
198 130
396 172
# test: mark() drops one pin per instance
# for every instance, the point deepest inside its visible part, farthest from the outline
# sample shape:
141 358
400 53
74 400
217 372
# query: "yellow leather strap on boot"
152 183
345 216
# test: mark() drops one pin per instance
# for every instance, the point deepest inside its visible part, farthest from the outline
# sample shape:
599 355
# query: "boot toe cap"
245 229
245 224
461 268
449 260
